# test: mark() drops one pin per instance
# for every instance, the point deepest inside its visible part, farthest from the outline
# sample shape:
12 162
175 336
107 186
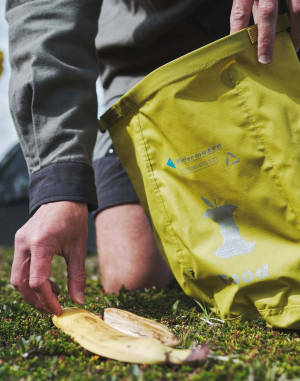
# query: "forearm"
52 94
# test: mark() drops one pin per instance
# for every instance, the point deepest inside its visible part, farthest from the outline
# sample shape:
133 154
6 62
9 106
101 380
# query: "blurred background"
13 172
7 133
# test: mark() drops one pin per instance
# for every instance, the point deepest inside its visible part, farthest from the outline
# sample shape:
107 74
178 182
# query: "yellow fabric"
211 142
1 63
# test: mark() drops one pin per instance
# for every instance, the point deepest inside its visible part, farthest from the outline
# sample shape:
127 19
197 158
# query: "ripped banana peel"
139 326
96 336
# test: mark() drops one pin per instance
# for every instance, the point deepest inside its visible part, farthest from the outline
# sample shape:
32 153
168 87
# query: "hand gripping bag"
211 142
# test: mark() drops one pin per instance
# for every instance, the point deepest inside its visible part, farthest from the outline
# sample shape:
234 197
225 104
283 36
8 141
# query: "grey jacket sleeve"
52 95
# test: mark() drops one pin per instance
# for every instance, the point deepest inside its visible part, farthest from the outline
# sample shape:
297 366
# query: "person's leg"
127 252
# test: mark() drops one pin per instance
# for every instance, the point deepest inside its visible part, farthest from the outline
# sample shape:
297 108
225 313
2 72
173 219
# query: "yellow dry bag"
211 142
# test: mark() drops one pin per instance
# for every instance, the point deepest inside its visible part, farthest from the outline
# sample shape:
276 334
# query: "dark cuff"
113 184
63 181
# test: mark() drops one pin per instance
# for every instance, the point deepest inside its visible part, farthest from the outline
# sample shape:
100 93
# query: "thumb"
76 274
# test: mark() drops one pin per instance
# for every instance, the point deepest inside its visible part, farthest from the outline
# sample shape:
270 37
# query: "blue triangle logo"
231 159
170 163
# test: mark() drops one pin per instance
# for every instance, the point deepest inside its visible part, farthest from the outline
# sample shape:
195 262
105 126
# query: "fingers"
240 14
267 20
294 8
265 15
255 11
20 274
20 277
55 228
40 267
47 298
76 274
30 276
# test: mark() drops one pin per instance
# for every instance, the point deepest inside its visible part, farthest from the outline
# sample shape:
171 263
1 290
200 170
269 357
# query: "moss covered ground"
31 348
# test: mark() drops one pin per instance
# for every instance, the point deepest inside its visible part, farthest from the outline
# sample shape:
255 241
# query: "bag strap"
237 41
282 24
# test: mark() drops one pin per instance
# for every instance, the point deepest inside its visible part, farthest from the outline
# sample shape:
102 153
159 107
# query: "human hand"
56 228
265 15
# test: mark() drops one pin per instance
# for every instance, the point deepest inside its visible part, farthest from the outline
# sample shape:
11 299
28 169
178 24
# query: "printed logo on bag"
231 159
247 276
233 243
198 161
170 163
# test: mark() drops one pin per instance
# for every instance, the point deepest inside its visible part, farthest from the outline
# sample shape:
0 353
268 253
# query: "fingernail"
80 297
264 59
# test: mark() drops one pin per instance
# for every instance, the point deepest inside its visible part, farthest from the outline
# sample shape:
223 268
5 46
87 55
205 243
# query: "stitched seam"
64 162
259 311
294 307
168 220
35 124
259 135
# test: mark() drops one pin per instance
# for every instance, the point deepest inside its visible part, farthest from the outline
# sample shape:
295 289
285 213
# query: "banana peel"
139 326
92 333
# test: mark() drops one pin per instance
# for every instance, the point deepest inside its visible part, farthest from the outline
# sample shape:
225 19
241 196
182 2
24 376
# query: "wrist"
82 207
63 181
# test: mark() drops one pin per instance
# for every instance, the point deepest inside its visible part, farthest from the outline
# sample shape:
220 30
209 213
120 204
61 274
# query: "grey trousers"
112 182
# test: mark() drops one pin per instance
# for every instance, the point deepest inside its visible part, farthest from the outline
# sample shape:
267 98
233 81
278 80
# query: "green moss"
31 348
